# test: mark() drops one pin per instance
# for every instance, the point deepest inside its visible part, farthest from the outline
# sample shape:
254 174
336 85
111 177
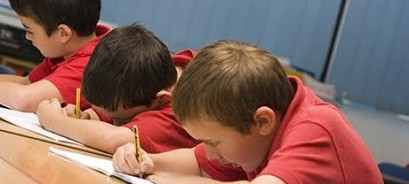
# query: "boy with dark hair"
129 77
66 33
237 99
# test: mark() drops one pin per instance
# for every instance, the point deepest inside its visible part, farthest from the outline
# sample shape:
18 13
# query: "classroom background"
358 46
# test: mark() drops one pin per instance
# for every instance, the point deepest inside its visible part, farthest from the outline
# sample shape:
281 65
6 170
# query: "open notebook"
30 122
102 165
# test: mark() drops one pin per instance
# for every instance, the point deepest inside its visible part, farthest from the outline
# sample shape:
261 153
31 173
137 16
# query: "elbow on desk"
22 102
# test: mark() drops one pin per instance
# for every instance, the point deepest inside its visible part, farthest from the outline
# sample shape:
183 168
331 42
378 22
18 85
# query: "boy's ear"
266 121
65 33
163 97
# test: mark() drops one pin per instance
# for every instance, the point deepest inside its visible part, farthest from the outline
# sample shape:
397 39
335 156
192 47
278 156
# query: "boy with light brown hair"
237 99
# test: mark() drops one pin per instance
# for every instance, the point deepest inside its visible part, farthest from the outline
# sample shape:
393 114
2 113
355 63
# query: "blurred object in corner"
393 173
325 91
13 43
6 70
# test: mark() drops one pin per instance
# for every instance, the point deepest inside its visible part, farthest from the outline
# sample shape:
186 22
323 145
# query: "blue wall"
370 63
297 29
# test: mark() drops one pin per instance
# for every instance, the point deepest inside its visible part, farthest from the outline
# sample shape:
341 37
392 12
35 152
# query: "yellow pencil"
77 103
137 148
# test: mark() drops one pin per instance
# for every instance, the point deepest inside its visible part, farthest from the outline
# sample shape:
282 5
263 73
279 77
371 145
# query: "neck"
179 71
77 42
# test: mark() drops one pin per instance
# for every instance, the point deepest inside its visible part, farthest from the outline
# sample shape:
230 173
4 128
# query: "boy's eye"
29 32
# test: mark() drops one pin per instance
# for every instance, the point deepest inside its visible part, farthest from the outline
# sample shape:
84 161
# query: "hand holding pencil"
130 161
78 103
74 110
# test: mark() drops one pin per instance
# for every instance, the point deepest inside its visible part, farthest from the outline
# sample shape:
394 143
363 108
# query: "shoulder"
183 57
161 118
86 50
324 115
322 123
165 112
102 30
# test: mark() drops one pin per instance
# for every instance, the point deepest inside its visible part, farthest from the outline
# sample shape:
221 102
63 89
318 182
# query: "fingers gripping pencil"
137 148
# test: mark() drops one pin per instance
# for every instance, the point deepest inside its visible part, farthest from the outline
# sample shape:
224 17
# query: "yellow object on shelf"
291 71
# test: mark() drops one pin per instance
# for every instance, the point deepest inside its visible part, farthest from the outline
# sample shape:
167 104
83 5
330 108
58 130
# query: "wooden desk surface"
12 129
31 157
9 174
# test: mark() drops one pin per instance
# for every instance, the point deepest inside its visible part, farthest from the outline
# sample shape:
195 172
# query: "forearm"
27 97
15 79
182 161
96 134
12 94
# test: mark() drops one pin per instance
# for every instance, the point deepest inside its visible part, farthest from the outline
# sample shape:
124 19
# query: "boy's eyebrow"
25 26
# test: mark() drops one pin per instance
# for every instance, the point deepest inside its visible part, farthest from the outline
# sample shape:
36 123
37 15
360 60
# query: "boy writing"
237 99
66 33
129 77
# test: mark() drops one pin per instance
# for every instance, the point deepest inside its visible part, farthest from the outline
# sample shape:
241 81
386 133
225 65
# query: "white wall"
9 19
386 134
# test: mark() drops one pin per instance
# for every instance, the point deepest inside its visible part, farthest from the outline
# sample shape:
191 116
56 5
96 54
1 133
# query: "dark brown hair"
80 15
128 67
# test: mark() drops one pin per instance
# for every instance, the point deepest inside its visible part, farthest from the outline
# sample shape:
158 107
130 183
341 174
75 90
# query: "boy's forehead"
206 129
121 111
28 22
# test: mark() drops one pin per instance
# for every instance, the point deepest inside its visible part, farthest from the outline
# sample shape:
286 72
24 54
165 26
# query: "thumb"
85 115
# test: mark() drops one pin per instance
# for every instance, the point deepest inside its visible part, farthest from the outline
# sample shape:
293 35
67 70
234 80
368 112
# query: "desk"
12 129
31 157
9 174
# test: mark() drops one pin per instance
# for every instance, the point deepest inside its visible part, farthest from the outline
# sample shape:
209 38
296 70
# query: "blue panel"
128 17
344 63
286 29
298 29
383 45
199 28
257 20
400 57
364 52
308 23
219 18
269 35
238 20
371 62
179 27
141 11
164 17
318 24
108 11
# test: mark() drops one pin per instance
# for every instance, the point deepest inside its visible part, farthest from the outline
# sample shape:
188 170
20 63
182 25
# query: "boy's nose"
28 37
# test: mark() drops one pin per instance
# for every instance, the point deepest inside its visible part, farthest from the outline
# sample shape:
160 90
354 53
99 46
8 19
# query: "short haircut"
227 82
80 15
128 67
